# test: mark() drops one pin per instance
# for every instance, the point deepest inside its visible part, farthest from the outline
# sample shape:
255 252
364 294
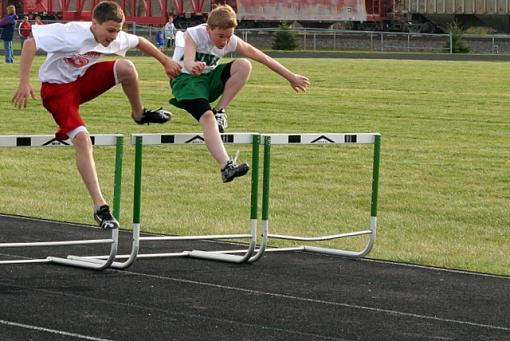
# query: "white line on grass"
305 299
52 331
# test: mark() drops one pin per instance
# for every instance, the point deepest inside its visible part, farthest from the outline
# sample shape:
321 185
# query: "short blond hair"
11 9
222 17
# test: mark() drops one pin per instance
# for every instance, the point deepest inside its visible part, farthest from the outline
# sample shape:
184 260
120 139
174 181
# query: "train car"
316 13
304 12
394 15
478 13
144 12
251 13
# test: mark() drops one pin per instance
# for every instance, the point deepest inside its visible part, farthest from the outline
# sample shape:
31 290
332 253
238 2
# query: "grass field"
445 181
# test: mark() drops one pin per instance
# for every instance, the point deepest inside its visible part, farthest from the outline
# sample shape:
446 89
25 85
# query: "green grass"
444 185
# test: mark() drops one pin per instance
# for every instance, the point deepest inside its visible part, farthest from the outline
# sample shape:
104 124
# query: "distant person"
160 39
38 21
170 31
24 30
8 23
203 80
72 75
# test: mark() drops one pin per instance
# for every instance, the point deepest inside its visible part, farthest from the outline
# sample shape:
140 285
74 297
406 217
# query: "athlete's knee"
125 70
209 125
207 120
242 65
82 140
207 117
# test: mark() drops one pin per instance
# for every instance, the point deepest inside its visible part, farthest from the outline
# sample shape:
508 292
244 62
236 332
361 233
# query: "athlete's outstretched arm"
297 82
24 90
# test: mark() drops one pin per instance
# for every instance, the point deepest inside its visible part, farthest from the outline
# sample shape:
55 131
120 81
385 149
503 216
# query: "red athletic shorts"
63 100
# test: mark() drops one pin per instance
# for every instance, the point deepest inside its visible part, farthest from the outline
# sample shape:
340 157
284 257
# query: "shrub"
284 38
457 39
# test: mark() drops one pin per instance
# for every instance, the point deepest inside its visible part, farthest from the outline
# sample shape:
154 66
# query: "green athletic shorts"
208 86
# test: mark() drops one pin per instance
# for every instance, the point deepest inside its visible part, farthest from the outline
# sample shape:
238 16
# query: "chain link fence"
342 40
338 40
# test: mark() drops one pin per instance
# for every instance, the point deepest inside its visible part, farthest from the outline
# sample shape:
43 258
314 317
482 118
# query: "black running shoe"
232 171
105 219
154 116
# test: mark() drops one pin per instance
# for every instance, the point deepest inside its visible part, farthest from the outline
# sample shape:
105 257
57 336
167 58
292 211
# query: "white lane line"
51 331
433 268
311 300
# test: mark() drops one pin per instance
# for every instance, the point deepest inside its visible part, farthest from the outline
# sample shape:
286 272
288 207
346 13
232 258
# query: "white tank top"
206 51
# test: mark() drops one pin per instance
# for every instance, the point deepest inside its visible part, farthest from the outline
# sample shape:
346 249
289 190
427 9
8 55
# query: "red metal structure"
358 14
251 13
144 12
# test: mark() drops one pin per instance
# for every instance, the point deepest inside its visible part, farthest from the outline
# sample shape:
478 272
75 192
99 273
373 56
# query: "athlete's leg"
127 76
239 75
87 166
213 139
201 110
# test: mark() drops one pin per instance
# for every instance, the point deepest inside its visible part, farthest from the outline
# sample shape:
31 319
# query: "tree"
457 39
284 38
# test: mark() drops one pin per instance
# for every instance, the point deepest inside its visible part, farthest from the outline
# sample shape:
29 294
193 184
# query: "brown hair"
222 17
108 10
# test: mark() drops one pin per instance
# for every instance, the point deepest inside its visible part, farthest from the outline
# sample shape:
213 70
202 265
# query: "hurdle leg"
47 140
137 200
83 262
371 232
247 257
136 217
265 201
115 264
225 256
91 263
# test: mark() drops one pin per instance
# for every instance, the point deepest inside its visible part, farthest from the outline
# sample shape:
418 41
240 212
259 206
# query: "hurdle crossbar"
116 140
323 138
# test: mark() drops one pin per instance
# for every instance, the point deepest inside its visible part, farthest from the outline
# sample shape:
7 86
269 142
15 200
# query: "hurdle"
116 140
230 256
303 139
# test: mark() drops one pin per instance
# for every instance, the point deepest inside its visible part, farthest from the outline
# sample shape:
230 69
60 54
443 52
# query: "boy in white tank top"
203 79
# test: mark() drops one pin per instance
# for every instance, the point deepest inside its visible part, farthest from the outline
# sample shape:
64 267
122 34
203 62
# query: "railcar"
392 15
251 13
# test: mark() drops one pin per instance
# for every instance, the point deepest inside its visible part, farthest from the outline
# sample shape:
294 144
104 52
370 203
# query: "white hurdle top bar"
191 138
51 141
322 138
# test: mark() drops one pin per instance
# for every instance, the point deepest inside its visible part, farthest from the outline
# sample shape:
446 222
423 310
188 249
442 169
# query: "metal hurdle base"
250 254
79 261
330 251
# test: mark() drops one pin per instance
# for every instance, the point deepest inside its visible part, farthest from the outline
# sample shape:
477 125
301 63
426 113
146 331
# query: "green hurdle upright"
116 140
231 256
325 138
